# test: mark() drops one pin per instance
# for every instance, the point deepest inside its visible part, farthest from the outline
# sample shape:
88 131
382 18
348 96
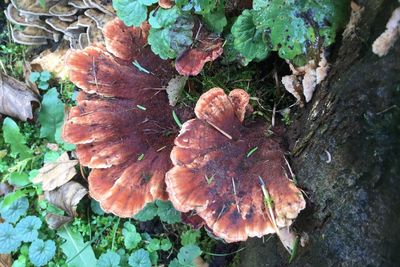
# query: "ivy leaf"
140 258
131 12
13 212
190 237
51 116
147 213
248 41
109 259
131 237
167 212
187 254
75 247
8 240
41 252
15 139
27 228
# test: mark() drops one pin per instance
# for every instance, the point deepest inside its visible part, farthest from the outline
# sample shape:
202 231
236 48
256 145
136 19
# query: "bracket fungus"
79 22
218 164
122 124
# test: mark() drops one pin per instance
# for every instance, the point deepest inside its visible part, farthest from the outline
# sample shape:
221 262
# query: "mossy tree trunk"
353 211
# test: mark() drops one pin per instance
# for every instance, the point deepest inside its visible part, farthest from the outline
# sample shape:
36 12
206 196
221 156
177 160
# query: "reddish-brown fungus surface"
122 124
215 175
208 48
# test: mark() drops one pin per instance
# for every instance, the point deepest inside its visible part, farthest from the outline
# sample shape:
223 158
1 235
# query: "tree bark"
353 206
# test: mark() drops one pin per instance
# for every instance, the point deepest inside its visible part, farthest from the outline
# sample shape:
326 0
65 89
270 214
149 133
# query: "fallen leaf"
66 198
52 61
174 88
5 260
55 174
5 188
16 98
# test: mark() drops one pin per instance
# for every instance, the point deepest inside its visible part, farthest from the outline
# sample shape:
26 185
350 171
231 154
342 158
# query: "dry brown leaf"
66 198
55 174
5 260
199 262
52 61
16 98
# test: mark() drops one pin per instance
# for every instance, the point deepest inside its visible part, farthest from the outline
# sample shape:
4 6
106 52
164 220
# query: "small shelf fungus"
214 174
122 119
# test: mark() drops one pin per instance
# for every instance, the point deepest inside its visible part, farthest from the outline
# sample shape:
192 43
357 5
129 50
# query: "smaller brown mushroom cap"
21 39
62 9
192 61
214 175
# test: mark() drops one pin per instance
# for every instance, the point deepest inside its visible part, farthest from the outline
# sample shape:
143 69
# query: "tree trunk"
353 211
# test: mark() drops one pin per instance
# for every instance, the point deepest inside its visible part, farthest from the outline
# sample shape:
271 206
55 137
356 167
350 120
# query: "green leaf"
27 228
96 207
147 213
187 254
161 18
41 252
34 76
248 41
175 263
109 259
171 41
201 6
165 244
167 212
154 245
140 258
51 115
148 2
131 237
11 213
45 76
79 254
216 20
190 237
19 179
131 12
15 139
8 240
43 85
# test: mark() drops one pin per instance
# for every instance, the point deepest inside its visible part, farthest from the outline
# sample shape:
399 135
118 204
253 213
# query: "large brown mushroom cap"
214 175
121 126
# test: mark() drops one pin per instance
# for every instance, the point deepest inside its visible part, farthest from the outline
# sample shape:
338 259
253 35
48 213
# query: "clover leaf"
27 228
13 212
109 259
41 252
9 241
140 258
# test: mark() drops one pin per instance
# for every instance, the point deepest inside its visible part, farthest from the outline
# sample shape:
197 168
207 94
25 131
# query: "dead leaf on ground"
5 188
174 88
16 98
66 198
55 174
52 61
5 260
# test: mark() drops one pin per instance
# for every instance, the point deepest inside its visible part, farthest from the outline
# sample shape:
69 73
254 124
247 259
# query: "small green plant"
41 79
296 29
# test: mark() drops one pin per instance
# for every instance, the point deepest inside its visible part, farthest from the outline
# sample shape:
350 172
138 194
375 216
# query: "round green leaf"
131 12
27 228
147 213
9 241
187 254
13 212
41 252
140 258
131 237
109 259
161 18
248 41
167 212
148 2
